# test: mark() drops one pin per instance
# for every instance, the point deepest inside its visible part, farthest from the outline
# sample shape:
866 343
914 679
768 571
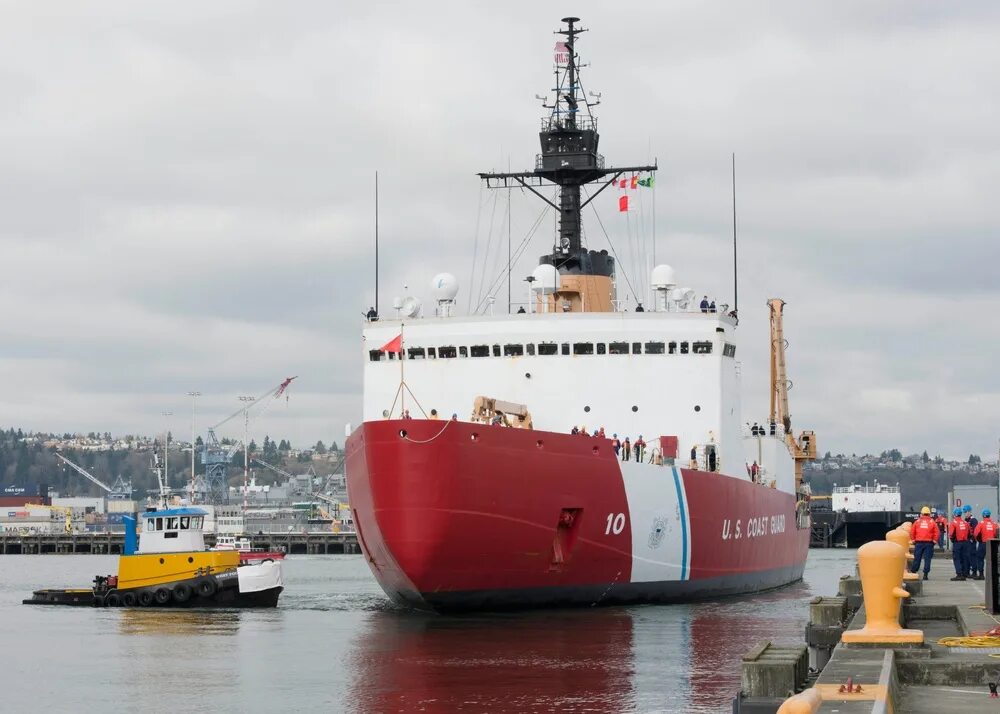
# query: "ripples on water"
336 643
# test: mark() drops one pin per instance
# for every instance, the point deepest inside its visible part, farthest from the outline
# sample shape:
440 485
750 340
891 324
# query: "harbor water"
336 644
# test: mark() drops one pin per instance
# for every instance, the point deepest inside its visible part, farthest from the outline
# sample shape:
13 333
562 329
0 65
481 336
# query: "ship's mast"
569 159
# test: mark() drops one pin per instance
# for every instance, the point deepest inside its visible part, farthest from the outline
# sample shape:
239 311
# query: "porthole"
586 409
635 408
190 559
161 561
474 436
385 413
697 407
539 443
527 375
402 433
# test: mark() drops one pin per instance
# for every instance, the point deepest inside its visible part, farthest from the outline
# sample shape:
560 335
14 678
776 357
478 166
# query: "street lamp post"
194 397
246 449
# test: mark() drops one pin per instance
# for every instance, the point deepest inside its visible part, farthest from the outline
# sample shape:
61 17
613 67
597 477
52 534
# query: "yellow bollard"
805 702
899 537
880 563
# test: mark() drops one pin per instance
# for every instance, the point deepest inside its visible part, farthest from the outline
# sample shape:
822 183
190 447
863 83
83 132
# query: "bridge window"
375 355
672 348
416 352
159 524
729 350
496 350
701 348
547 348
583 348
601 348
446 352
531 348
172 523
513 350
618 348
463 351
564 348
637 348
431 353
684 348
479 350
654 348
185 523
150 524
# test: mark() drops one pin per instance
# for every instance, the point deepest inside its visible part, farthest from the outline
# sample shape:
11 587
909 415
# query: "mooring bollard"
881 563
805 702
900 538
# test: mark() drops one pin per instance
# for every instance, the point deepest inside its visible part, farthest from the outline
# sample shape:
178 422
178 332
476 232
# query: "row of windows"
173 523
546 349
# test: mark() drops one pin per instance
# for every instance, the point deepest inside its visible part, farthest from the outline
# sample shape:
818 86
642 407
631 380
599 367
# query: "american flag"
562 53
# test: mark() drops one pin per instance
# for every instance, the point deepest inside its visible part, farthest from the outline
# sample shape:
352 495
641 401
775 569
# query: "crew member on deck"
985 532
958 533
627 450
694 457
616 444
971 556
640 449
704 304
925 535
754 471
942 524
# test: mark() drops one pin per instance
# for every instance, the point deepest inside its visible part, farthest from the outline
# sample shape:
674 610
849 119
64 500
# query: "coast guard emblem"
657 532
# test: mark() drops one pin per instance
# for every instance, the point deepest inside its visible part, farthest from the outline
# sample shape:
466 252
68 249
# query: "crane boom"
86 474
804 448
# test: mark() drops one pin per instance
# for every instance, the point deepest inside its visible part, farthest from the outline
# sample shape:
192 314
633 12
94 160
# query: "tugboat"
170 567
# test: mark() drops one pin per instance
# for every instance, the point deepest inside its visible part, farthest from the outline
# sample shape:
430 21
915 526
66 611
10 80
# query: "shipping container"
979 497
122 506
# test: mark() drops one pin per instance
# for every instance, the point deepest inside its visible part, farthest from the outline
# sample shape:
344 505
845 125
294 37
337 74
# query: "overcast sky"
186 195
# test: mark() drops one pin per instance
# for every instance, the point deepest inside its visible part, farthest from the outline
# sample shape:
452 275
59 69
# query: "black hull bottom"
666 592
225 598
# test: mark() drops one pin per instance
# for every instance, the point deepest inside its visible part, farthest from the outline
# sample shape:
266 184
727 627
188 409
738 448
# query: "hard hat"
925 511
957 512
966 508
986 513
933 511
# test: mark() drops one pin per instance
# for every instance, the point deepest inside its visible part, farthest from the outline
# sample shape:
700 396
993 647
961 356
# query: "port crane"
803 448
216 456
121 490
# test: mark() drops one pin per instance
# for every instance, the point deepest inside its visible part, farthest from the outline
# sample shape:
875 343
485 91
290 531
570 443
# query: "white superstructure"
861 499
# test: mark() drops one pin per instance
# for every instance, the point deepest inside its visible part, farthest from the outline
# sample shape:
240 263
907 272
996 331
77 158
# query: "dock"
850 677
111 543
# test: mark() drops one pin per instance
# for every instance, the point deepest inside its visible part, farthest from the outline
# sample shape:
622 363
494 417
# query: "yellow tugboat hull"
151 569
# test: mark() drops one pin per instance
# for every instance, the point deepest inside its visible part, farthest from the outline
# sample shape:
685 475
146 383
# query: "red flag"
635 182
393 345
623 183
623 204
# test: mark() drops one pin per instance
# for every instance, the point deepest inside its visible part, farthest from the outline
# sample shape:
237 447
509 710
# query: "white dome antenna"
410 307
662 280
444 287
545 281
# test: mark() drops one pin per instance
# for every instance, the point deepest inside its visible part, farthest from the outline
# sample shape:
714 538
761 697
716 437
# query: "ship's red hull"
455 515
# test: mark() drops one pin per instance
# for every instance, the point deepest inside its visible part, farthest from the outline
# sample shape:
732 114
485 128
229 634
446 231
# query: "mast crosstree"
569 159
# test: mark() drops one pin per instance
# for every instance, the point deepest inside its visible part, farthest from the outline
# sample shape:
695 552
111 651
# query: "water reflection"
154 621
578 660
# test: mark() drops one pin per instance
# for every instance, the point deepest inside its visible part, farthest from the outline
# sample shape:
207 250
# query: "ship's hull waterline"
464 516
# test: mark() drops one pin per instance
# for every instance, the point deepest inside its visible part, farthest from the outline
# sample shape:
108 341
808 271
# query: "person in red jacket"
958 534
925 535
942 524
986 530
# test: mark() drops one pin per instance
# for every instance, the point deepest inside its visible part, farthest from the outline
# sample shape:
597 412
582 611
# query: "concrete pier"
112 543
913 678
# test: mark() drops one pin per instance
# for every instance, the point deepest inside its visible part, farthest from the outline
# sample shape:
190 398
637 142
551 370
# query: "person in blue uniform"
958 534
970 563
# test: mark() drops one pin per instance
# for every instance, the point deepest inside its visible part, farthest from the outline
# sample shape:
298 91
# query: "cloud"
186 200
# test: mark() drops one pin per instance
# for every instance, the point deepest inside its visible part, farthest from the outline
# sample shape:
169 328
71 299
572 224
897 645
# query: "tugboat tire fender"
206 587
162 596
182 592
128 599
113 600
145 598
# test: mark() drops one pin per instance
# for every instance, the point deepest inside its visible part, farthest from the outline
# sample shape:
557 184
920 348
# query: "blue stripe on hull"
682 507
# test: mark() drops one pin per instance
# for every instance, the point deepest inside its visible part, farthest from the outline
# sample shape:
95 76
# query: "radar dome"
547 279
663 277
444 286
